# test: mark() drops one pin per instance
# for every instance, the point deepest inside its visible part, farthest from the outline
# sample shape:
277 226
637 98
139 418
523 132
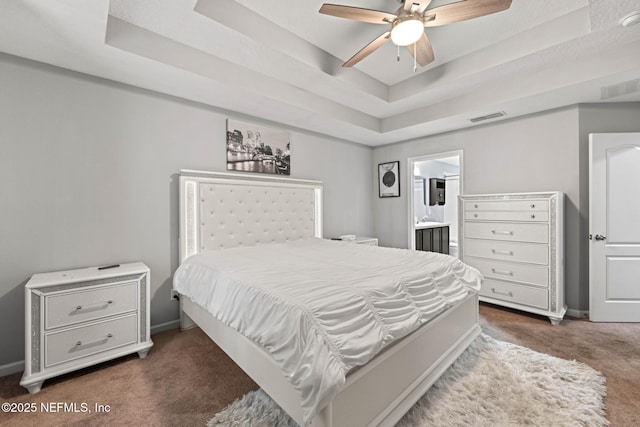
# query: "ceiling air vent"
620 89
488 117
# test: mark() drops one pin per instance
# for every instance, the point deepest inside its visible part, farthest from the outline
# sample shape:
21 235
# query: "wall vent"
620 89
488 117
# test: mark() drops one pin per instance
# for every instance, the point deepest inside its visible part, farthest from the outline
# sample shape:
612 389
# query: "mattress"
322 308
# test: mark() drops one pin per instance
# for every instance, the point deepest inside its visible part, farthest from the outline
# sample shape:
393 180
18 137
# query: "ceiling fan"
408 23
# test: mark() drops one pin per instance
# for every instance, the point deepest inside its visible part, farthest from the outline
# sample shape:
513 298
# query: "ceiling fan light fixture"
408 23
407 31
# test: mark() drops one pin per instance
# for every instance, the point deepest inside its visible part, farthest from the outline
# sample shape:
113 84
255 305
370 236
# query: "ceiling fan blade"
463 10
367 50
357 13
423 50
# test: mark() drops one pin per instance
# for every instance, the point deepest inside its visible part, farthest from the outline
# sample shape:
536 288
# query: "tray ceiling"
281 62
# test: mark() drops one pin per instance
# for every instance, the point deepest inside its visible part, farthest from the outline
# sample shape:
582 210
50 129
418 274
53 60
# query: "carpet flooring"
186 379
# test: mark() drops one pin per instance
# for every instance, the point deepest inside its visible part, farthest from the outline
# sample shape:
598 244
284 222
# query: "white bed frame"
221 210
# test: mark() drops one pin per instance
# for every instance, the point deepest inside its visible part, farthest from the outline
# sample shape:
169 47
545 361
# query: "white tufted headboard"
223 210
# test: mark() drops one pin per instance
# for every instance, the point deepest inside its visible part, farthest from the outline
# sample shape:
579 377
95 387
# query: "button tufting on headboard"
223 214
223 210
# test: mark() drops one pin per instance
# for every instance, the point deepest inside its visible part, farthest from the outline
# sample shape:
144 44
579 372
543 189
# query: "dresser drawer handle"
497 252
79 343
533 206
503 272
100 304
475 215
502 233
507 294
533 216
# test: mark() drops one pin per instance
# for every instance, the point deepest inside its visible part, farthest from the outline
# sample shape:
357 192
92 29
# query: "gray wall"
88 174
541 152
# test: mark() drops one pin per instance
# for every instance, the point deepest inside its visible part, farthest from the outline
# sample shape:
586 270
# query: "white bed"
219 210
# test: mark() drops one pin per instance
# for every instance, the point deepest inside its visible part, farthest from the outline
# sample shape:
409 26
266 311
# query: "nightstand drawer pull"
497 252
100 304
507 294
502 233
101 341
503 272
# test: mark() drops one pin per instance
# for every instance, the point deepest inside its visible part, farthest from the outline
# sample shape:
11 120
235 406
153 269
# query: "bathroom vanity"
432 236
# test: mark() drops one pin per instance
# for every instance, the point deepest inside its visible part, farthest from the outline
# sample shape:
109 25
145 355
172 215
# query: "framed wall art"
257 148
389 179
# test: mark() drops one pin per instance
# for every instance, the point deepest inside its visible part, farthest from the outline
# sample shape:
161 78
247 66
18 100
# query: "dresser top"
514 196
85 274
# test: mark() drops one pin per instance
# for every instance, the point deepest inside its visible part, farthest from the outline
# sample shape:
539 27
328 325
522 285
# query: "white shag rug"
493 383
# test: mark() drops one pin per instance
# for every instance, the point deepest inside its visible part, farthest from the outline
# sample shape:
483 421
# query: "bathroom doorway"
436 182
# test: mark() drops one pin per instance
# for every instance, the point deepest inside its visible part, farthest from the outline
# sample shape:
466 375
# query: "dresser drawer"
518 294
531 216
534 253
535 275
88 304
535 233
506 205
86 340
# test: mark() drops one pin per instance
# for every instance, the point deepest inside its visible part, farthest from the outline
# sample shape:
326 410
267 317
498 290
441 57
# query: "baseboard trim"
11 368
174 324
579 314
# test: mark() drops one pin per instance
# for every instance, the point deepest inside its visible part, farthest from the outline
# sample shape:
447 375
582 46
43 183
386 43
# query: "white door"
614 224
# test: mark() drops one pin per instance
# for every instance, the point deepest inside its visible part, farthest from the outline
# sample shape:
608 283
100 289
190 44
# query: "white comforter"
320 307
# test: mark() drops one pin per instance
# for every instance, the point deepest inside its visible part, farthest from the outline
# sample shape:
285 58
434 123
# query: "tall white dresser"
516 241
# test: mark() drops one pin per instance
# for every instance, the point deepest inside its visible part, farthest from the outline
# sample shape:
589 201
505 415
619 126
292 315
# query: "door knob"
599 237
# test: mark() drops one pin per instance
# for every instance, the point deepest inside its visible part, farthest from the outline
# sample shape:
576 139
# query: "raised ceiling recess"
281 62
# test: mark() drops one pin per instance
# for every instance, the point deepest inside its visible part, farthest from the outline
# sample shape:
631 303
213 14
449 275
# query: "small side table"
78 318
360 240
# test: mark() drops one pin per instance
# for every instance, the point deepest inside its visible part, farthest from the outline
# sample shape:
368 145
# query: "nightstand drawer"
70 308
519 294
86 340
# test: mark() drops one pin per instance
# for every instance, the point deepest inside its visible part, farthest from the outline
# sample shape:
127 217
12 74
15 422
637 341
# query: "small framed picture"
389 179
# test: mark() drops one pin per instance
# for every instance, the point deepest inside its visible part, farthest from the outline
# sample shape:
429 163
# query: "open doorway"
436 182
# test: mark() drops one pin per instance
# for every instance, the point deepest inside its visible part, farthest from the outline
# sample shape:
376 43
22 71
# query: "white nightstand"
371 241
77 318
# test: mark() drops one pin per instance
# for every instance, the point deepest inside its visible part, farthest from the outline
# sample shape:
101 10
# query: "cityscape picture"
255 148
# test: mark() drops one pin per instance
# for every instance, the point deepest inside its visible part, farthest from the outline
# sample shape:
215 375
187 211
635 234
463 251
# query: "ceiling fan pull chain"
415 63
398 56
